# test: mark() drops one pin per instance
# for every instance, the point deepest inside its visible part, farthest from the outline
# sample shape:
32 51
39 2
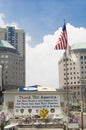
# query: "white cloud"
3 24
76 34
2 16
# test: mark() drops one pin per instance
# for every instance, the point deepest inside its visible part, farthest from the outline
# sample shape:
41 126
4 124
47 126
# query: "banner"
31 104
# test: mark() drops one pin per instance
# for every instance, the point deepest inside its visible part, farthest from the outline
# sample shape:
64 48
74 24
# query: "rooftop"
78 46
5 44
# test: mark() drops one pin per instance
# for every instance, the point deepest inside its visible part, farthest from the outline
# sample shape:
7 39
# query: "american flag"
62 42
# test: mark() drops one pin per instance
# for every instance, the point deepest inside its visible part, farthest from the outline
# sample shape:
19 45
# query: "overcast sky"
42 21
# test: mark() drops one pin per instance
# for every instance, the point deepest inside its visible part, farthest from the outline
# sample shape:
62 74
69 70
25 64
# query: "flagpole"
66 56
62 44
67 89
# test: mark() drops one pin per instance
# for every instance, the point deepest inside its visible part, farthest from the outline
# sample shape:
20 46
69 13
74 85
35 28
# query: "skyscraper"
12 46
15 37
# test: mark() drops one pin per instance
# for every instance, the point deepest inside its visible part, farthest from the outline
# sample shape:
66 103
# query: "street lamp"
82 83
81 109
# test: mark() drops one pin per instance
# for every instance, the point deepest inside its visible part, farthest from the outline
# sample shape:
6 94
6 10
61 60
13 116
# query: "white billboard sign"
32 104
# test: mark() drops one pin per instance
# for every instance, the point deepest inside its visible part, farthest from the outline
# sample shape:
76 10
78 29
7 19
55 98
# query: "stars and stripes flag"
62 42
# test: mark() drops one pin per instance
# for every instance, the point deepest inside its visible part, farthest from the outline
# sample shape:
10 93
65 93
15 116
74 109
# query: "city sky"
42 21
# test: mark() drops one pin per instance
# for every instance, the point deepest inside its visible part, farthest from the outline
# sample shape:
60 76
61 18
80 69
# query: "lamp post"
0 77
82 83
81 109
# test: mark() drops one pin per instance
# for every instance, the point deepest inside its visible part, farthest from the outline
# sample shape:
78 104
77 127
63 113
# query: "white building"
72 72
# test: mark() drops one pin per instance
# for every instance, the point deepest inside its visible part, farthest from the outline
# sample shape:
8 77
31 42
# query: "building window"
2 61
74 82
81 57
78 93
66 59
2 56
5 82
6 67
6 56
6 72
6 61
6 77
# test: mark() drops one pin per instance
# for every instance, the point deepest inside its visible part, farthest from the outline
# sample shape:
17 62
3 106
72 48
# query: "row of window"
72 82
72 87
69 68
4 56
71 73
70 64
72 78
81 57
83 62
74 63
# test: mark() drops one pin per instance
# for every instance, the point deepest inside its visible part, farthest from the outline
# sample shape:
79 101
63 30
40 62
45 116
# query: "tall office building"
12 57
15 37
72 74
